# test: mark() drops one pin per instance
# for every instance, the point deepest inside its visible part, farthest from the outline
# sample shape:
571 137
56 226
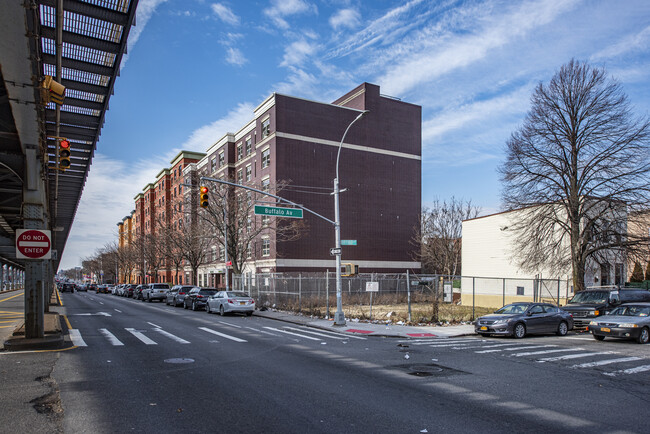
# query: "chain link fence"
428 298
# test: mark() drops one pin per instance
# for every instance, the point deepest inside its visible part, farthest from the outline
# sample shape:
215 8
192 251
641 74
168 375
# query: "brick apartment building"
295 141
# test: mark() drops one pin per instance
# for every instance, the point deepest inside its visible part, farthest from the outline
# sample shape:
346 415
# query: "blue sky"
196 69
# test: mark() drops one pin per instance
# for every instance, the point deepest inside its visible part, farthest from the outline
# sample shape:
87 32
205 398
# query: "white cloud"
225 14
204 137
301 84
452 53
345 18
284 8
636 42
297 52
234 56
146 8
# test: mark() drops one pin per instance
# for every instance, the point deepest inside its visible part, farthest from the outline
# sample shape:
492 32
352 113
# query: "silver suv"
155 291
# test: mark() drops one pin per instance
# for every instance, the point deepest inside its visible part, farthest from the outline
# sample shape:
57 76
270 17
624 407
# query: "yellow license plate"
605 329
483 328
242 303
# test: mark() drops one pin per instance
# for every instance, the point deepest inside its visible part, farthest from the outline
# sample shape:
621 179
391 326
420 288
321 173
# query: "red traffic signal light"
204 200
64 153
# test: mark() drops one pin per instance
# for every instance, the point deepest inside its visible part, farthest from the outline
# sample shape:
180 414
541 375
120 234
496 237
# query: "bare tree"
231 213
578 171
439 236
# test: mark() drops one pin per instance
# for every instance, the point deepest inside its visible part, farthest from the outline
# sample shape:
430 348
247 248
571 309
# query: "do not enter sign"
33 244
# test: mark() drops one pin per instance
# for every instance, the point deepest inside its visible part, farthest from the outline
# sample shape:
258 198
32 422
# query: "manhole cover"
179 360
428 370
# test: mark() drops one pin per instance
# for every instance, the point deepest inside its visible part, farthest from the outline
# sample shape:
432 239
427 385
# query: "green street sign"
295 213
348 242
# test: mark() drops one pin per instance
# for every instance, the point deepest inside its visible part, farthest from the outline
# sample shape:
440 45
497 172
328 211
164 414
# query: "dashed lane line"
223 335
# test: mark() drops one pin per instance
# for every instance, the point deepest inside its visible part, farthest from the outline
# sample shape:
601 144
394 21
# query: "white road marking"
318 334
517 348
536 353
141 336
117 310
230 325
636 370
214 332
262 331
155 325
573 356
111 338
77 340
171 336
101 302
607 362
292 333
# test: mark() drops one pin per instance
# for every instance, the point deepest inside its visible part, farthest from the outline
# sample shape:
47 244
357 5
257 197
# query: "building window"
213 164
266 247
240 152
249 251
222 158
240 176
249 146
266 220
249 172
249 223
266 184
618 274
222 254
266 127
520 290
214 254
604 274
266 157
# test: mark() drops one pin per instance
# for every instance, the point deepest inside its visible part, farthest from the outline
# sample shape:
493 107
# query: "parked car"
197 297
520 319
230 301
155 291
627 321
596 301
137 292
128 290
176 295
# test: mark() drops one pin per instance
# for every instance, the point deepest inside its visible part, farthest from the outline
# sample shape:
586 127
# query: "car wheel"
519 331
562 329
249 313
644 336
221 311
207 308
599 338
194 305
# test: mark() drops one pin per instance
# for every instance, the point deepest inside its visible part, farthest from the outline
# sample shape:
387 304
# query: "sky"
196 69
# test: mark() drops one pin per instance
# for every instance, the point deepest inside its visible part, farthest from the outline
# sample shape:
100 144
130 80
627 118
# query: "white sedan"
230 301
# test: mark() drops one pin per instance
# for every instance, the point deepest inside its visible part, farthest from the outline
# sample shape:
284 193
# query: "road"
148 367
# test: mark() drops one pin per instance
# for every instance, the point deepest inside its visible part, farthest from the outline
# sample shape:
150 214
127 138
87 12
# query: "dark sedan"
521 319
197 297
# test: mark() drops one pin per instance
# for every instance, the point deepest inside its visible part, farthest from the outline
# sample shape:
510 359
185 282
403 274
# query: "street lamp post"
339 316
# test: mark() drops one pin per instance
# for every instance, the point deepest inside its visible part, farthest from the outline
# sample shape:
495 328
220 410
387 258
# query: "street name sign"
348 242
295 213
33 244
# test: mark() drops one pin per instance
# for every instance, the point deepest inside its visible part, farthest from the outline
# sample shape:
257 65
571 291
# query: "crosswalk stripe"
318 334
171 336
111 338
292 333
517 348
537 353
261 331
229 325
77 340
141 336
214 332
607 362
573 356
635 370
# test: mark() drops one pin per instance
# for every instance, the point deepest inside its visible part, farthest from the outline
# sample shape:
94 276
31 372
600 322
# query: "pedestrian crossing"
609 363
155 335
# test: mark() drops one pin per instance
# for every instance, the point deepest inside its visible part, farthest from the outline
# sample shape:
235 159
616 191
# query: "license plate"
242 303
605 329
483 328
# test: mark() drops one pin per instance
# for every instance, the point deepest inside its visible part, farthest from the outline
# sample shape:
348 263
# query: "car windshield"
590 297
512 309
237 294
631 311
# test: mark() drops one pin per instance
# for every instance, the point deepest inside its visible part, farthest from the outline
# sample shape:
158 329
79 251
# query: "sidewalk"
13 339
353 327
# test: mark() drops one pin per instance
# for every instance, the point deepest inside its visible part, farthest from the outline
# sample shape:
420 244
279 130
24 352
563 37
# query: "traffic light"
64 153
52 91
349 270
204 200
